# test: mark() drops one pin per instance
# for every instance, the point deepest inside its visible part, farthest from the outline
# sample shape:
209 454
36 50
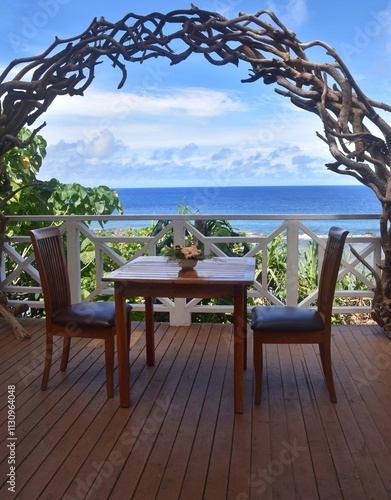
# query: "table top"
217 270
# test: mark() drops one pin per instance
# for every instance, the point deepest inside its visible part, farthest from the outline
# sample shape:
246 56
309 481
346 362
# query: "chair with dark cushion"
298 325
94 320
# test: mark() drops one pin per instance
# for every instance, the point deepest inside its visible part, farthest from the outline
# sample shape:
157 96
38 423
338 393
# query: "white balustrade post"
179 231
73 259
292 272
179 317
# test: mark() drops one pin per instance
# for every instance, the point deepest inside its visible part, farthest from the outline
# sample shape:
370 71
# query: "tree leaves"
22 165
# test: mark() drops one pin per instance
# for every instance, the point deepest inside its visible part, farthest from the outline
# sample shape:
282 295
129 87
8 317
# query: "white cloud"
262 121
193 102
191 165
103 145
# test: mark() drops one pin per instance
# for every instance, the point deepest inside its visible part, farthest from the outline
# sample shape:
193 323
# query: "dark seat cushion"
286 318
84 314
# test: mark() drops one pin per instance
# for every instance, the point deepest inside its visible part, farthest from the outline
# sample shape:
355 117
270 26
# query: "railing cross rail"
291 227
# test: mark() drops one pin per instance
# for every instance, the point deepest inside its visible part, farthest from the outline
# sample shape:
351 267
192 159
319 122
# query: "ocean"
258 200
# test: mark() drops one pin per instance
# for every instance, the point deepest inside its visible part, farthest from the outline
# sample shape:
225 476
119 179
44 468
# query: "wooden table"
151 277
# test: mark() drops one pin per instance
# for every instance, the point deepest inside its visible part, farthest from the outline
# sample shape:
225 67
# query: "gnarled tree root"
18 329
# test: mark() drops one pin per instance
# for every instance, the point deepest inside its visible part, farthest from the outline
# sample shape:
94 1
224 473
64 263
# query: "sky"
194 124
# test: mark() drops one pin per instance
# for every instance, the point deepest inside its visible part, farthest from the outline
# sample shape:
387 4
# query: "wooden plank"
373 410
71 436
346 470
350 414
8 338
117 440
74 442
22 363
197 468
186 411
261 455
47 423
17 349
91 428
220 455
238 484
31 411
49 430
177 390
307 372
296 451
278 475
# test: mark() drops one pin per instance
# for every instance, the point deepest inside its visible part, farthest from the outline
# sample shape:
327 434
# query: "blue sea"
258 200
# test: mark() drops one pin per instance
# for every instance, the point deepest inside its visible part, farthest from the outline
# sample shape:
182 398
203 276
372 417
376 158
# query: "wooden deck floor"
180 439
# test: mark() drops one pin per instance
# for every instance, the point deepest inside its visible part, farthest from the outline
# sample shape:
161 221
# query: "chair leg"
258 368
128 327
325 356
48 362
109 359
245 350
66 347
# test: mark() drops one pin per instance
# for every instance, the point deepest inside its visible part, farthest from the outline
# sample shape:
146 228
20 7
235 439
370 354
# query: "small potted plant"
186 256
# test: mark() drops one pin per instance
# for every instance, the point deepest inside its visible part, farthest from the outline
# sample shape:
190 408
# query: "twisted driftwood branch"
359 139
274 53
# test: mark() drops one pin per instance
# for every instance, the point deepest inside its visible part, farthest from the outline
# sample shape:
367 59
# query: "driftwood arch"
358 138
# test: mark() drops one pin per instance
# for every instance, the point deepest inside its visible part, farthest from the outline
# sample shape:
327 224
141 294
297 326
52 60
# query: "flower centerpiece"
186 256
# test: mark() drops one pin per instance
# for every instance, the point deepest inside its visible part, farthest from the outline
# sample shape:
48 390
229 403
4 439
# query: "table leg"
149 331
244 326
239 316
122 346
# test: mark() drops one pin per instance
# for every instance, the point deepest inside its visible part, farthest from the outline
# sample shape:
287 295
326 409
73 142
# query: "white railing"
18 259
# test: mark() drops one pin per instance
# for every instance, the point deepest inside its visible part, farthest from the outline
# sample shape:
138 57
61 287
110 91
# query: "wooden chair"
298 325
86 319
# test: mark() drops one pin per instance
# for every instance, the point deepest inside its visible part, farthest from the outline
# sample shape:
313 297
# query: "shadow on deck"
180 439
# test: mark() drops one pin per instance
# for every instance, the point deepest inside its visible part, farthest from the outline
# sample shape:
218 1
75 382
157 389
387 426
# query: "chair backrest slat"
329 272
52 267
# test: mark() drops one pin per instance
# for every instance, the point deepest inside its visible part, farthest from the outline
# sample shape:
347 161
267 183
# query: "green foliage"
27 195
277 267
223 228
20 168
52 197
74 199
351 282
308 270
126 250
22 164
